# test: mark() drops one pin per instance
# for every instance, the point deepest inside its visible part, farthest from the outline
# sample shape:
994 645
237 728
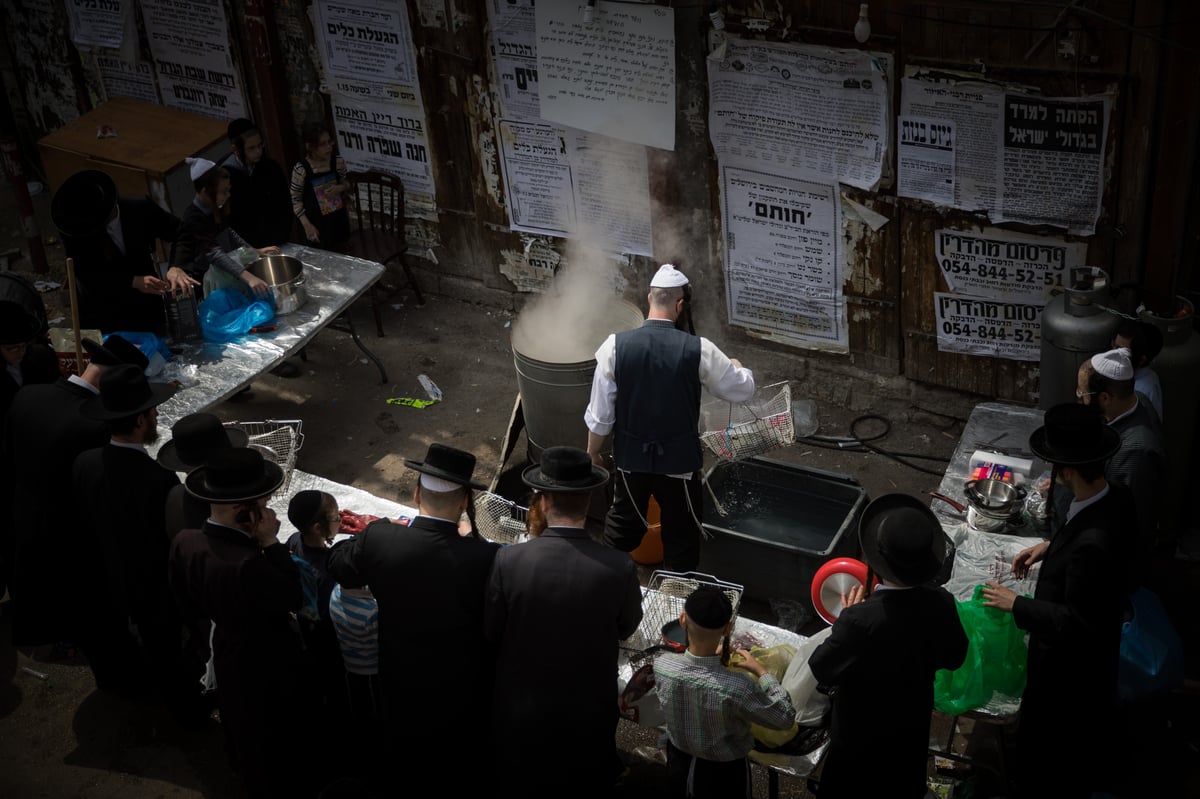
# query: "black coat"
565 589
878 664
39 365
1074 621
104 276
44 433
260 202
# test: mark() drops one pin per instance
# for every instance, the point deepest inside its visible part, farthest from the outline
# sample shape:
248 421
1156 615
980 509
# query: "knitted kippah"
304 508
708 607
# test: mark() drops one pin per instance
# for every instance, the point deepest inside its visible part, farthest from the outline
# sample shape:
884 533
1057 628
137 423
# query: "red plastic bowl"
833 578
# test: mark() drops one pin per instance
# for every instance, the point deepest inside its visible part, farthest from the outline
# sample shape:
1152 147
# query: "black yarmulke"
708 607
304 508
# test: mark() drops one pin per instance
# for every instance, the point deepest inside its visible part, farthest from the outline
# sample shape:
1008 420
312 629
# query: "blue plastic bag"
1151 651
226 314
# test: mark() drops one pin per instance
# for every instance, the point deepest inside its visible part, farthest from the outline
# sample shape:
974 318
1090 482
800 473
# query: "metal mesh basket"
736 430
499 519
666 592
278 440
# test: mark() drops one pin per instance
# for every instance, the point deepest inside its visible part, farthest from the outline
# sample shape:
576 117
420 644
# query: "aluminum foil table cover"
348 498
213 372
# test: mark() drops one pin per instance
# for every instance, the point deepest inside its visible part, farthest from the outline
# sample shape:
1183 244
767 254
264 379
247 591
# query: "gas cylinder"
1075 326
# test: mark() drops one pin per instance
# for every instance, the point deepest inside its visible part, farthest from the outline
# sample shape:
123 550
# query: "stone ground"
61 737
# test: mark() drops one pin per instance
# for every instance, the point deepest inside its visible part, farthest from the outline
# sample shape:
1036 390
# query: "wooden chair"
377 221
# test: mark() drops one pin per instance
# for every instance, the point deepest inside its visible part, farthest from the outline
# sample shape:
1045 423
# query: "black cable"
864 444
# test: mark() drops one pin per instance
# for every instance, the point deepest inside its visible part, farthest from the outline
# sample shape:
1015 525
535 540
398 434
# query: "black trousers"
708 778
624 526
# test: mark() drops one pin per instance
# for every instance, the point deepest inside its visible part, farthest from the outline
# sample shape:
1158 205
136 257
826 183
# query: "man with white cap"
1106 380
646 392
206 239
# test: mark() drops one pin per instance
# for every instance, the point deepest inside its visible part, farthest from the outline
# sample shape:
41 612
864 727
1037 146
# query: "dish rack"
662 602
499 519
278 440
737 430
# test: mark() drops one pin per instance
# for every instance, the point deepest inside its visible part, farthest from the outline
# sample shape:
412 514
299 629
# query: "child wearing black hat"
709 709
260 205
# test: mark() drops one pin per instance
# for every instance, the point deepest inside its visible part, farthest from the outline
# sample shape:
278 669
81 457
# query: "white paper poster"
614 75
389 137
926 160
978 326
783 271
97 23
190 44
514 51
366 40
1002 265
537 176
814 111
122 79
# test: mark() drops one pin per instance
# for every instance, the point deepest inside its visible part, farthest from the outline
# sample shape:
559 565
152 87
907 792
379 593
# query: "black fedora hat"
125 391
230 476
194 439
115 351
564 469
84 203
17 325
448 463
902 541
1073 434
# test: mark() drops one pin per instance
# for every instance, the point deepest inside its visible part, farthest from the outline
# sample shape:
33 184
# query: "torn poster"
190 44
925 152
1003 265
514 54
98 23
122 79
978 326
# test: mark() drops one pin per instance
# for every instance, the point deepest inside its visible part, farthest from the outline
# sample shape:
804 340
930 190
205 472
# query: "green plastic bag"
995 663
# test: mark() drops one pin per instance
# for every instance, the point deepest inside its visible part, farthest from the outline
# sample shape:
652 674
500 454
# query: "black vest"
657 372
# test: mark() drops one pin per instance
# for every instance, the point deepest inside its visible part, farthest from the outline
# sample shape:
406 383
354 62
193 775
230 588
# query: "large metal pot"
285 275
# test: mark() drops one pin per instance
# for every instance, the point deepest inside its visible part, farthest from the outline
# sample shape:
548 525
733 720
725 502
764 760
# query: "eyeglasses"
1081 394
334 519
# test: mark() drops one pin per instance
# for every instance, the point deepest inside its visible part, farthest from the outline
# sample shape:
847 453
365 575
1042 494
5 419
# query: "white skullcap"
1114 364
198 167
438 484
668 277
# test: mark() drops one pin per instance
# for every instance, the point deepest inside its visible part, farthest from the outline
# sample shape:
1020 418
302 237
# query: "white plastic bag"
811 705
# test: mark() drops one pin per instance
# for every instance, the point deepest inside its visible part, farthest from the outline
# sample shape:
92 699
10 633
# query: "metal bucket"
285 275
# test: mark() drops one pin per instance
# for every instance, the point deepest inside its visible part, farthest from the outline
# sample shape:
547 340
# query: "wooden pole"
75 316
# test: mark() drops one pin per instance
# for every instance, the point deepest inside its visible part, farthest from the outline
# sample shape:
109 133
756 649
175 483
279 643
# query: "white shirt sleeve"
601 411
722 379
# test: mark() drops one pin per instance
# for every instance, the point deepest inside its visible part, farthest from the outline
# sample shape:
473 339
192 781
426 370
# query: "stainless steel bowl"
285 275
994 498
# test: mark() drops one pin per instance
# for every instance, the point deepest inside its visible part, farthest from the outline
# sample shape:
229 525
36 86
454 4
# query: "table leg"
345 324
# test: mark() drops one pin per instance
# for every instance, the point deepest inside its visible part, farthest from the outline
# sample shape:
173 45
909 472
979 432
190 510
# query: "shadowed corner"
10 693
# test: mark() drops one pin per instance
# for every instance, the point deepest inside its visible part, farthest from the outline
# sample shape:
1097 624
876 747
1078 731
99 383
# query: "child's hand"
856 594
751 665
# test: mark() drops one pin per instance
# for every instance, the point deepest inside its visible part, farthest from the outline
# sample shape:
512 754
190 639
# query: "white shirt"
1145 381
114 231
79 381
717 373
1078 505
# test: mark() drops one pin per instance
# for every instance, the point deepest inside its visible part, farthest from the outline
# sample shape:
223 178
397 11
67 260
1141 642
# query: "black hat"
84 203
17 325
115 351
708 607
124 391
1073 434
565 470
902 541
194 439
448 463
234 475
239 127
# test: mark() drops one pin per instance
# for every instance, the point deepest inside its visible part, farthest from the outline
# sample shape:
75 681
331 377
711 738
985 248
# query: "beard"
535 523
151 435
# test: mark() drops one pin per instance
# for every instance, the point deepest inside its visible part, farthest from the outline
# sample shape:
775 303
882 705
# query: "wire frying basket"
737 430
499 519
662 602
278 440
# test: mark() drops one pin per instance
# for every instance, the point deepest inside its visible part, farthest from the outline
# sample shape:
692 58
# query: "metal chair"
377 211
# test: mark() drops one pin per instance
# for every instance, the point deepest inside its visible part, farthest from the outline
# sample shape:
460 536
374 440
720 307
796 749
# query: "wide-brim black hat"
234 475
125 391
902 540
17 325
115 351
84 203
448 463
195 438
564 470
1074 434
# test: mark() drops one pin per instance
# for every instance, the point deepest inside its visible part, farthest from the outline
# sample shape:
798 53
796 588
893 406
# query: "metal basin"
994 498
285 275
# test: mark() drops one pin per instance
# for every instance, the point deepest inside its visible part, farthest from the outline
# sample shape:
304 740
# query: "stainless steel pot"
995 499
285 275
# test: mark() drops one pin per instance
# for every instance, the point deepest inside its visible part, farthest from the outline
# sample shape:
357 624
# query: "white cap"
668 277
438 484
1114 364
198 167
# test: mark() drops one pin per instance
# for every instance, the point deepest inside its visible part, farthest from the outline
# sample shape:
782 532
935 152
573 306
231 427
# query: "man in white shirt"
646 392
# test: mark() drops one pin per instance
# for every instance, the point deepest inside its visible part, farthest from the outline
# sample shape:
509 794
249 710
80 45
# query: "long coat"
435 667
557 606
249 593
107 299
878 663
43 435
1074 620
260 202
